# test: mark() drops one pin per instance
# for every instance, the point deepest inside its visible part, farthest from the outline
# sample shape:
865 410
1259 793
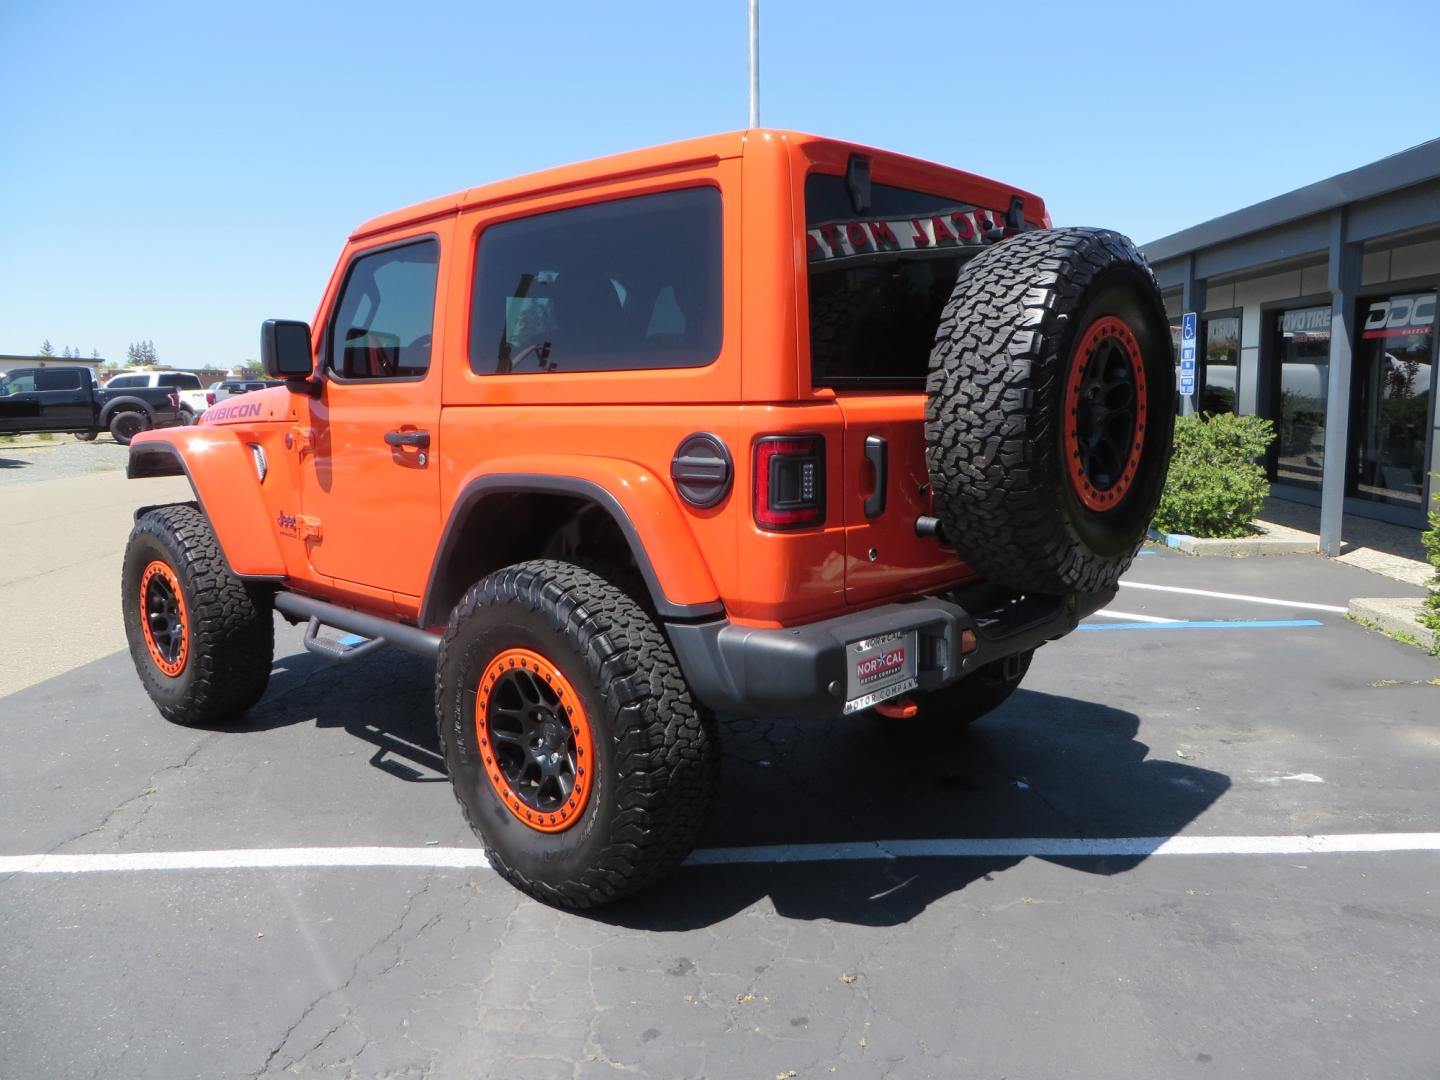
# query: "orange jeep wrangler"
755 424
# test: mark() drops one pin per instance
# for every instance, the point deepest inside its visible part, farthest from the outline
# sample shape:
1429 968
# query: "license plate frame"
880 668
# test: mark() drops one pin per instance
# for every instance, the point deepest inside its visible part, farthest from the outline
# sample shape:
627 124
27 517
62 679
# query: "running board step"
375 631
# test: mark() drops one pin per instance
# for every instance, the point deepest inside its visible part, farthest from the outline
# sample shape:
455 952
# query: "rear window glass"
632 283
181 382
122 381
879 280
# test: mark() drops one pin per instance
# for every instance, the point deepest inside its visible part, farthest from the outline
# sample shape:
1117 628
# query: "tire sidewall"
1114 533
145 548
120 426
549 858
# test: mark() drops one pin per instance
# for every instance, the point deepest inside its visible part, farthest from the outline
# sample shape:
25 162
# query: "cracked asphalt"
1234 966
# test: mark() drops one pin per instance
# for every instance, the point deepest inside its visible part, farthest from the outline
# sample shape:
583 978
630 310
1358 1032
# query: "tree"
46 349
94 354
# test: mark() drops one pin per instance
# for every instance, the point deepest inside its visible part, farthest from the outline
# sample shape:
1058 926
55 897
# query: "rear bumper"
801 671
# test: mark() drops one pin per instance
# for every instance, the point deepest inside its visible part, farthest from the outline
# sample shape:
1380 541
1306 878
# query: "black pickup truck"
66 399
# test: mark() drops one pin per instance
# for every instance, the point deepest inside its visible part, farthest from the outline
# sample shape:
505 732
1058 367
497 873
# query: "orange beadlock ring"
535 740
172 657
1111 334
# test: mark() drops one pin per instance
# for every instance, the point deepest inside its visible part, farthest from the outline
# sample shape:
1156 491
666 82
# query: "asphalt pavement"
1290 722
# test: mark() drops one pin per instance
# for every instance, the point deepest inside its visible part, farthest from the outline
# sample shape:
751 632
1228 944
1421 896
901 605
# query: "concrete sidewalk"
60 578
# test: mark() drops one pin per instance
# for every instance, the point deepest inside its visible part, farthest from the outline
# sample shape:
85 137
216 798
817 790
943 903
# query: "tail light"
790 481
209 398
174 401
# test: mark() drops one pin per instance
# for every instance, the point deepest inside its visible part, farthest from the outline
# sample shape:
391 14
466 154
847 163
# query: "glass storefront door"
1299 371
1393 384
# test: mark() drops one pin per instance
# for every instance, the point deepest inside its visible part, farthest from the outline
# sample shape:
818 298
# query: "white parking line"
1237 596
1058 847
1111 613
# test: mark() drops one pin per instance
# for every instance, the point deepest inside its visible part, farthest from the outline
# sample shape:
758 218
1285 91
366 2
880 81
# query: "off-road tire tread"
666 743
232 630
998 359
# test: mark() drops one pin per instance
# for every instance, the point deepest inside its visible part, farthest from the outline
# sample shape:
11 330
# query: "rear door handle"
877 452
418 439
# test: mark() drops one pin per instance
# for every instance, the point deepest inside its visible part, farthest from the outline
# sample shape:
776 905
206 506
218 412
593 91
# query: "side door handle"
877 453
418 439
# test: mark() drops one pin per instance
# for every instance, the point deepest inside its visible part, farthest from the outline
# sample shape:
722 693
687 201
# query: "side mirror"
285 351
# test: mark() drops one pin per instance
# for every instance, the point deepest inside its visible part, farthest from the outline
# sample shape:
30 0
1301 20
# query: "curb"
1395 616
1245 545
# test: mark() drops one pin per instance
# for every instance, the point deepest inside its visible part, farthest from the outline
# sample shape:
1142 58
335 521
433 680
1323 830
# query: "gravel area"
28 460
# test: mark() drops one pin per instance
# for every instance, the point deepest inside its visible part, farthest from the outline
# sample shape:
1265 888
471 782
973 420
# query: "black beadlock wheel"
202 640
574 747
126 424
1051 401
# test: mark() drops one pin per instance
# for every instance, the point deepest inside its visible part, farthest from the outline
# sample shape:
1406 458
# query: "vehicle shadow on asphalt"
384 700
1041 766
12 463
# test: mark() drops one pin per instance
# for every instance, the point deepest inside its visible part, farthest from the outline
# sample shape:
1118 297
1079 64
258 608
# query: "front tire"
574 746
202 640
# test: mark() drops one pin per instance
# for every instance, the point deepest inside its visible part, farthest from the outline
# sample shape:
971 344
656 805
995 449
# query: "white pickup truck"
193 399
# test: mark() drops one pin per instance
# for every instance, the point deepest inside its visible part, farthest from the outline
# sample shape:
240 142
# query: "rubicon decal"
878 667
962 226
249 410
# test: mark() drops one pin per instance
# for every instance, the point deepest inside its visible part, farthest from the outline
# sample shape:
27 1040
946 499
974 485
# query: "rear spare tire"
1051 401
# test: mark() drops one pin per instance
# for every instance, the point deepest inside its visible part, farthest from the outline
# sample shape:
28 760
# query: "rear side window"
628 284
383 321
59 379
879 280
181 382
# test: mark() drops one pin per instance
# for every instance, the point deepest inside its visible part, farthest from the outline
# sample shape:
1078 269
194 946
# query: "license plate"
879 668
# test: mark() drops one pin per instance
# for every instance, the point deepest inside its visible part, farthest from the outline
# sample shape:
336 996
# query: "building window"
1222 364
1299 373
1393 380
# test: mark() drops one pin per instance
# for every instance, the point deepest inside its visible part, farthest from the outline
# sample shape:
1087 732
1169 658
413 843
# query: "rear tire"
1050 411
574 747
128 423
86 436
962 703
202 640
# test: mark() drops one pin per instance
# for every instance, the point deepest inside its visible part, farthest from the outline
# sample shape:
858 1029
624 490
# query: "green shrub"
1430 613
1215 485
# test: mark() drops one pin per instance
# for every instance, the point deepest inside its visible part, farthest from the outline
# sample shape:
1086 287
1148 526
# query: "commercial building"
1317 310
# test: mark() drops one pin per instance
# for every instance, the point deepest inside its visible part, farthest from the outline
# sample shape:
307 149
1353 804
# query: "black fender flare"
431 613
114 405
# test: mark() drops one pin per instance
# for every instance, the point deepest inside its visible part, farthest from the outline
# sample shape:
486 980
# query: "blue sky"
180 172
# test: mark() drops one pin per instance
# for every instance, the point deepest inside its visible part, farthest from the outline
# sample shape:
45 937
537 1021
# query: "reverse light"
789 481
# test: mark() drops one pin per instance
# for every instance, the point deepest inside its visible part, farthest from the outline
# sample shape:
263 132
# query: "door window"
383 321
1394 377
